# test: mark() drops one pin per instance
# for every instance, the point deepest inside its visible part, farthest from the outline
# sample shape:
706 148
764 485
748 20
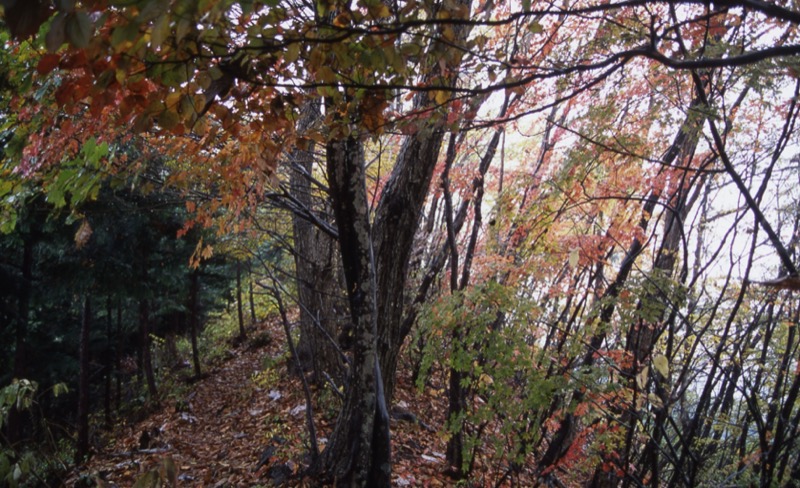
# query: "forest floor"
245 425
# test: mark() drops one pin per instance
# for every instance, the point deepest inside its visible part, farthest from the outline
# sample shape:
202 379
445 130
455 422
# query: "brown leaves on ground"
244 425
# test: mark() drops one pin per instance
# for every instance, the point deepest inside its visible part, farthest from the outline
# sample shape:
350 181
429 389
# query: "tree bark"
359 452
251 295
14 429
147 362
317 270
194 315
239 309
82 449
108 363
398 213
118 358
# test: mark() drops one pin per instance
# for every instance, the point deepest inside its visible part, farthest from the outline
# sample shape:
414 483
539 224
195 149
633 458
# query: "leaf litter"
230 431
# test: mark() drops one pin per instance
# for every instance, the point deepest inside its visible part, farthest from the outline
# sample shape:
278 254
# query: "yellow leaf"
292 52
381 12
441 97
661 363
641 378
448 33
173 99
655 400
326 75
574 256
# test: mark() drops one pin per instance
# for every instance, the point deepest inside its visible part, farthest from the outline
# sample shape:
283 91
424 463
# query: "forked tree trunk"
375 266
359 452
398 212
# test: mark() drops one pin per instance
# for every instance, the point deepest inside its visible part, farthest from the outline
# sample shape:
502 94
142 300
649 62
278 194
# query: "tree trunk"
398 212
118 358
194 319
251 295
239 311
108 364
147 362
317 271
14 430
376 267
359 452
82 449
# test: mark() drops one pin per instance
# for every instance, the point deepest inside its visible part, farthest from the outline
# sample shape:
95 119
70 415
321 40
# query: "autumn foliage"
563 220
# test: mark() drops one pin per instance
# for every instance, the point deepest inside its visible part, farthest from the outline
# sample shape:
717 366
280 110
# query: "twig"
306 391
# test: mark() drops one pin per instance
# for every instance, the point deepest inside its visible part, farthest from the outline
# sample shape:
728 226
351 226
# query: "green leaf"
182 29
60 388
160 31
56 36
151 10
168 119
5 187
79 29
55 195
66 5
410 49
8 221
121 34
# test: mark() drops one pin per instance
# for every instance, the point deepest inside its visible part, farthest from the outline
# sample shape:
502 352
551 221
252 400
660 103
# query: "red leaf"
47 63
75 60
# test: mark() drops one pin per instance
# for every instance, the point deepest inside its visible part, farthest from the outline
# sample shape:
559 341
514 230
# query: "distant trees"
86 291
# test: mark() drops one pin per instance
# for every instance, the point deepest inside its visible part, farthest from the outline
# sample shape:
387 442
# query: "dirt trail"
217 434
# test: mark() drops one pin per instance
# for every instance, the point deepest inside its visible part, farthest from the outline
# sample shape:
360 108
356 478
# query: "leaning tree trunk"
398 213
251 297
